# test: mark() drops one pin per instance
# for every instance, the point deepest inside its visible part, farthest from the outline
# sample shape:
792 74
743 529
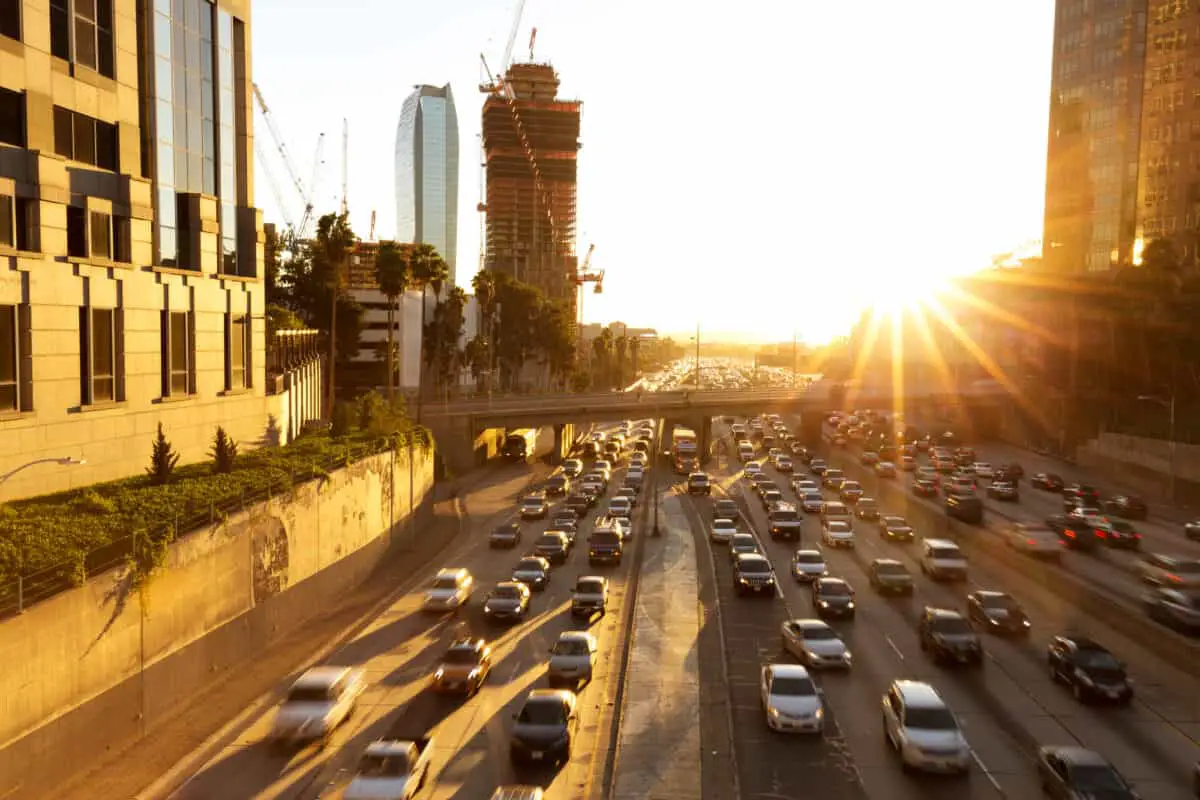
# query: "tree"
163 459
484 285
556 340
426 268
602 352
224 451
475 357
391 272
620 348
441 337
330 254
280 318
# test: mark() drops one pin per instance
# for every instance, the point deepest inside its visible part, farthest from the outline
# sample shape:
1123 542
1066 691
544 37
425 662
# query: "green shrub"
224 451
163 459
341 420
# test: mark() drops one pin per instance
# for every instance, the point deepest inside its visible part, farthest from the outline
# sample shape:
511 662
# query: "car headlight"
823 603
773 712
1026 623
820 713
441 673
473 674
850 604
743 582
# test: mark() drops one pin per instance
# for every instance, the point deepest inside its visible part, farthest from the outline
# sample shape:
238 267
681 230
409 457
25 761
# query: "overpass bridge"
467 430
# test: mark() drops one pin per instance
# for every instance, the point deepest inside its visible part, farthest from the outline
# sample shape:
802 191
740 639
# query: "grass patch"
61 538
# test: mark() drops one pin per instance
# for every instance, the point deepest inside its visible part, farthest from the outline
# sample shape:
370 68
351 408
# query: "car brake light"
1070 533
1137 536
1030 541
1175 578
1102 534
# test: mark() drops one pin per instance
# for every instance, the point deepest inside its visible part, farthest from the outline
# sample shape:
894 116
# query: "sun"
902 291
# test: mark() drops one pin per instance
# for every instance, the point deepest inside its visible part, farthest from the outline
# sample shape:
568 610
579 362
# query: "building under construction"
531 144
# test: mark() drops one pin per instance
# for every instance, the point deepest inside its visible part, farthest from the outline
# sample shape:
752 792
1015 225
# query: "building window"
99 332
237 351
101 235
10 18
18 225
8 221
122 249
12 116
82 138
11 377
85 28
178 352
77 240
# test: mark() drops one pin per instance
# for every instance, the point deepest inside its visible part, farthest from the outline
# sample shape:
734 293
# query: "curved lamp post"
65 462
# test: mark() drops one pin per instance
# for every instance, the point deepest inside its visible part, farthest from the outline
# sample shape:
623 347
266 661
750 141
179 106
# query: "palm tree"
484 284
331 249
391 273
425 267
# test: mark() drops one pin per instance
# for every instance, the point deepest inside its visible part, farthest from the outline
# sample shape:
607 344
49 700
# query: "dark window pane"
85 139
104 14
86 9
64 135
210 177
120 241
12 117
106 145
179 353
10 18
104 54
27 221
237 352
9 358
60 29
8 235
77 232
101 230
103 355
85 42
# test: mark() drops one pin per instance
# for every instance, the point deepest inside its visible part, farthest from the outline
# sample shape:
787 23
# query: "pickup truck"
391 769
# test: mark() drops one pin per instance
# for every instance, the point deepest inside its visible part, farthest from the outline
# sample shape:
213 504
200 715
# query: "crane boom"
305 200
512 36
306 220
345 162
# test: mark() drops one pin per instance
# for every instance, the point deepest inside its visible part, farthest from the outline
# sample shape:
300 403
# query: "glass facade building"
427 172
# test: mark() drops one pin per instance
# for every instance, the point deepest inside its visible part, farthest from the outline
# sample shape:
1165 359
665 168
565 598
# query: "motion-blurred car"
533 571
1048 481
997 612
318 702
1178 572
1073 772
1126 506
1034 540
924 487
464 667
1179 608
1004 490
507 602
889 576
885 469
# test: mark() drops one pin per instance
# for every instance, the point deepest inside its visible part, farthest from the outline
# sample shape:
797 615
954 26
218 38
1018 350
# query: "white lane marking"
895 649
987 772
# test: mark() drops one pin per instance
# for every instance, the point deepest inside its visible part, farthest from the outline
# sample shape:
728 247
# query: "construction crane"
269 118
371 235
584 275
306 220
345 161
532 39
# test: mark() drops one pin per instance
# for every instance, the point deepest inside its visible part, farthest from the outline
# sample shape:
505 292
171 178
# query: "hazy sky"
762 167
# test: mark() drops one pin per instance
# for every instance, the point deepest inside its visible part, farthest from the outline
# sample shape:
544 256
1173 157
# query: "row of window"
81 31
102 355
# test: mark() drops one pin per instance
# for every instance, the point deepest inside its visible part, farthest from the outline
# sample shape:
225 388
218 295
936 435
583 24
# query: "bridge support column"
564 437
704 433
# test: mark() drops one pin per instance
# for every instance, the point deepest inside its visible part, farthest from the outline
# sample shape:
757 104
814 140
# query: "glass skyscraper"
427 172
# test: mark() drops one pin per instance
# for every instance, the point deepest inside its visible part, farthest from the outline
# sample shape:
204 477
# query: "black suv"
947 636
554 546
1092 672
505 535
580 504
752 574
832 597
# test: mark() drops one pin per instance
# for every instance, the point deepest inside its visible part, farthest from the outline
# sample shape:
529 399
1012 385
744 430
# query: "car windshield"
461 655
529 565
549 540
891 569
373 766
834 589
851 486
309 694
930 719
506 591
838 526
755 566
817 634
809 558
895 522
570 647
952 626
784 516
998 601
605 537
792 687
1095 778
533 501
543 713
445 583
946 552
1097 659
589 587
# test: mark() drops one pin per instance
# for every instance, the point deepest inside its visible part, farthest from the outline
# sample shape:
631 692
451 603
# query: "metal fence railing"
21 588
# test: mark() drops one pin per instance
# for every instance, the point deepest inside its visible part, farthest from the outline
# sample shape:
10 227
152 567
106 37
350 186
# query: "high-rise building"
1095 125
131 252
531 209
427 172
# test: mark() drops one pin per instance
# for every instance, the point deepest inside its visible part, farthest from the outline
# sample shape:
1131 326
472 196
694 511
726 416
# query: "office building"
427 172
531 210
1095 126
130 249
369 368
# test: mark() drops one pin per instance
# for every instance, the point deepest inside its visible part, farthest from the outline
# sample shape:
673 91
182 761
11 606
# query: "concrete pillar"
564 437
704 433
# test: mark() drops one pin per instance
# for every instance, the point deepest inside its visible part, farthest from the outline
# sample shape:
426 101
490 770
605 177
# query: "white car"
815 644
319 701
637 458
1034 540
922 729
752 468
572 659
838 533
450 589
722 530
982 469
808 565
790 699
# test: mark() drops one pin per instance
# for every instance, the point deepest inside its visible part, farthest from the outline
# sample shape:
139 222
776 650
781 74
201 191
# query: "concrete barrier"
95 668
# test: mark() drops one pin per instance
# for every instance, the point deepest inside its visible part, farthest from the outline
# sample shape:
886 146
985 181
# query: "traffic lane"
769 765
1150 742
884 642
398 651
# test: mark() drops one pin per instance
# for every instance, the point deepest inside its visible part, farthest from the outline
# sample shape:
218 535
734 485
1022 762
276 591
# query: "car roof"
744 535
1079 756
509 584
810 551
918 694
577 636
888 561
831 581
941 543
1083 642
541 561
320 677
723 521
388 747
787 671
744 558
549 696
450 572
989 593
810 624
942 613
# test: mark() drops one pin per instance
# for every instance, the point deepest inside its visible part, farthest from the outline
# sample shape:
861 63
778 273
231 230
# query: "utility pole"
697 356
793 358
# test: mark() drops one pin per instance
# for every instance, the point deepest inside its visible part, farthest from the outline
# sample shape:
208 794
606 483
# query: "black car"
1004 490
832 597
554 546
866 508
699 483
533 571
965 508
580 504
1010 472
948 636
1089 669
1072 772
545 728
1076 530
997 612
1082 495
923 487
1127 506
1048 481
507 602
895 528
505 535
889 576
558 484
752 574
724 508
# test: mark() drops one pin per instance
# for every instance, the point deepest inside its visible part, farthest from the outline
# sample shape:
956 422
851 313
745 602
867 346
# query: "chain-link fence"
145 546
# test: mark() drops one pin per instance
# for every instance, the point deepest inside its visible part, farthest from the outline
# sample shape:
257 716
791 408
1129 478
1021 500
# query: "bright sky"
765 167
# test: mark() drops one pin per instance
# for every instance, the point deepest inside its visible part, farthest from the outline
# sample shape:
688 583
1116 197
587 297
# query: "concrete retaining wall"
1144 464
97 667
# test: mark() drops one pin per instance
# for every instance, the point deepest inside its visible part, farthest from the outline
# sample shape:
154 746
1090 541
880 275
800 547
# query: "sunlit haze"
765 168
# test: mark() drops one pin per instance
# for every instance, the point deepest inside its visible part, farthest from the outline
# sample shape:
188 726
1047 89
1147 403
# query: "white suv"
941 559
919 724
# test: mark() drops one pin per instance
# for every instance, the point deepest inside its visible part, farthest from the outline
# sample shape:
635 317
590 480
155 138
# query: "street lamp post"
1170 406
656 466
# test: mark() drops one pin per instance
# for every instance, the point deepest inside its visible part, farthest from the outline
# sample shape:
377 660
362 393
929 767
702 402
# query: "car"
997 612
1191 530
580 503
885 469
558 484
698 483
1034 540
866 508
817 467
837 533
1010 471
1126 506
812 501
1179 608
752 468
464 667
947 636
638 458
1004 490
533 571
784 521
815 644
1084 529
802 485
605 546
1081 495
833 597
832 479
790 699
1073 772
908 463
507 535
518 792
725 508
566 523
1118 533
572 659
1088 668
572 467
545 727
889 576
395 769
924 487
783 463
508 601
742 543
895 528
752 575
1176 572
554 546
941 559
982 469
619 507
451 589
921 728
534 506
722 531
965 508
317 703
868 458
808 565
850 492
589 596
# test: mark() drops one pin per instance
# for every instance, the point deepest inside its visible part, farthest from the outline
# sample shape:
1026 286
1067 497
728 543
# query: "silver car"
808 565
1034 540
572 659
790 699
319 701
1176 607
1178 572
815 644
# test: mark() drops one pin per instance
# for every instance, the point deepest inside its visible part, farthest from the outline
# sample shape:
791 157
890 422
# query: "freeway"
400 649
1007 708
